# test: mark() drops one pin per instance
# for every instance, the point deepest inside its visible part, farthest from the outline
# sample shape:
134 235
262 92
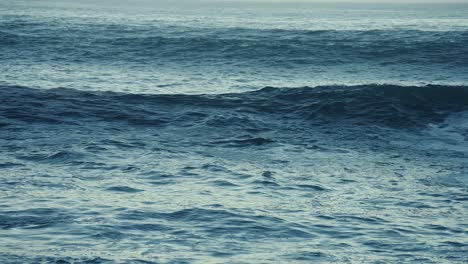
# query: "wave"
271 46
386 105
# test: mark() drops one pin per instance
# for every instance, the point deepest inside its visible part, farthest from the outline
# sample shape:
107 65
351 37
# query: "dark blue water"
233 133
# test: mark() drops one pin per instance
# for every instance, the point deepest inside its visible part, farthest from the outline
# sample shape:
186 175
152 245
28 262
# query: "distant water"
233 133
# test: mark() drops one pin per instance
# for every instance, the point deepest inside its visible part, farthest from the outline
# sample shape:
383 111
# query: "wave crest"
391 105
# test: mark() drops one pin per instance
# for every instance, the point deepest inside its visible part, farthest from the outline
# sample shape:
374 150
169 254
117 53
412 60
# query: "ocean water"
228 132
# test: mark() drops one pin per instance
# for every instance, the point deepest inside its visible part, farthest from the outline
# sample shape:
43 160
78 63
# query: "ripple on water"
124 189
222 223
59 157
34 218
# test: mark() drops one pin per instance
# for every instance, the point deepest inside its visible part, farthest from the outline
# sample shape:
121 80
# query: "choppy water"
197 133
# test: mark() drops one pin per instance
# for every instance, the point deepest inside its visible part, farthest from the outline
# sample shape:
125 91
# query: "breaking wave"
394 106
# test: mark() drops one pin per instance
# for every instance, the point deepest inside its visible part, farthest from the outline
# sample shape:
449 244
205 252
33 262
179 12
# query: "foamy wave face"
452 134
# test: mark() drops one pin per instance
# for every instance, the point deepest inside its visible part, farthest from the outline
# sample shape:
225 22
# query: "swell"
132 44
386 105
